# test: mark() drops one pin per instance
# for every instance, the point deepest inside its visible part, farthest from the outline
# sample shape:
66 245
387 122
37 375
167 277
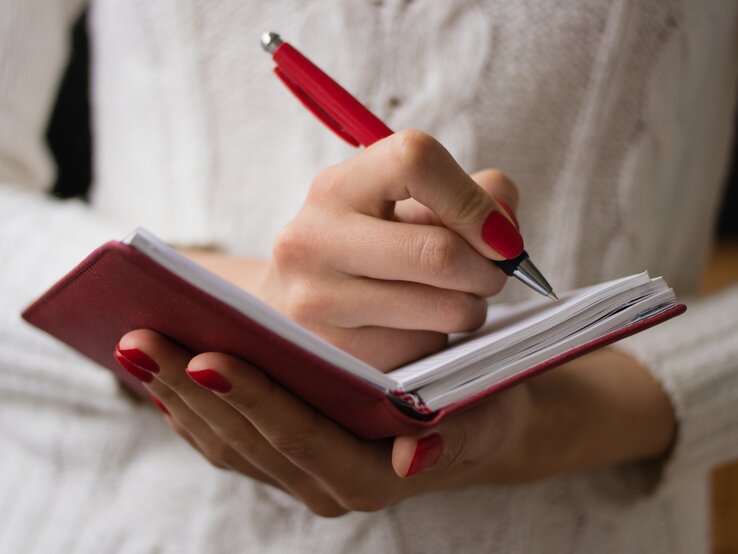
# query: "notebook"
141 282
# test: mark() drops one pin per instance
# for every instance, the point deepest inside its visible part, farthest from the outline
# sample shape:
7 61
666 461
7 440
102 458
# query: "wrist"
601 409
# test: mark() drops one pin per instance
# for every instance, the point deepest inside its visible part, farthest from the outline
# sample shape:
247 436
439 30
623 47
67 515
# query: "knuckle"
437 253
455 455
260 392
496 183
289 247
295 445
325 183
305 303
469 206
414 149
217 455
183 433
363 499
298 443
174 383
237 440
164 393
325 506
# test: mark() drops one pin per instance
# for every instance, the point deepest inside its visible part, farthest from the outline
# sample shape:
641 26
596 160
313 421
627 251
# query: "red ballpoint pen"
354 123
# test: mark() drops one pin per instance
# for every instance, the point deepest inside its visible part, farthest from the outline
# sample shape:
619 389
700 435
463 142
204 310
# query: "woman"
613 120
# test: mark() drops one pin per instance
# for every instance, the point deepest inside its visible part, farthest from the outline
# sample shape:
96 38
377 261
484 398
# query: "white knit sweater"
613 116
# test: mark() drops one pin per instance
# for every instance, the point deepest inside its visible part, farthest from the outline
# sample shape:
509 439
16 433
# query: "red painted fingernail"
139 359
426 453
210 380
159 405
134 370
500 234
509 211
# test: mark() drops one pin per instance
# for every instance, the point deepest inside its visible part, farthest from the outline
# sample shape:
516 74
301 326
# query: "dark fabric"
68 134
729 214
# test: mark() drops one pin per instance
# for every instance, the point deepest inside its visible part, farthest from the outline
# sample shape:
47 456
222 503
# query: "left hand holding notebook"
570 419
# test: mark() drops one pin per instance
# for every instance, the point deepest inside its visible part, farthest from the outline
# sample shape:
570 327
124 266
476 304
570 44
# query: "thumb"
412 455
468 438
444 449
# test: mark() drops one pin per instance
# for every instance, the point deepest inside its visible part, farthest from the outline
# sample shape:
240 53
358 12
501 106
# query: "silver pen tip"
552 296
270 42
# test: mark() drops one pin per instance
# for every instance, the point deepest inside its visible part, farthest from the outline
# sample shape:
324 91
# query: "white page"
591 329
545 317
445 392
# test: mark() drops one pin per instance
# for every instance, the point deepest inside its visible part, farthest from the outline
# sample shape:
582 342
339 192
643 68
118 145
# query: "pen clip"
314 107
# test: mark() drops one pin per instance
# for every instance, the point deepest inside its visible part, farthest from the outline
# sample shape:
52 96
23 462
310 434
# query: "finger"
426 254
311 441
501 188
411 164
206 415
353 303
199 435
212 449
469 438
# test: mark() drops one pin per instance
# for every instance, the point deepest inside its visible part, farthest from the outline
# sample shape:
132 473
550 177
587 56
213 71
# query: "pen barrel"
337 102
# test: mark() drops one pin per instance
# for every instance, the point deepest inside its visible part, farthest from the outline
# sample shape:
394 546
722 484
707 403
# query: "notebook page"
148 244
493 362
443 393
546 317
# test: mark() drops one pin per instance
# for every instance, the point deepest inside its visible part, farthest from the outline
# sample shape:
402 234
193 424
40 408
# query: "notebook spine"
412 400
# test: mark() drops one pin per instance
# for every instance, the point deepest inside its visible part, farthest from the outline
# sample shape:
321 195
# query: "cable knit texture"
613 116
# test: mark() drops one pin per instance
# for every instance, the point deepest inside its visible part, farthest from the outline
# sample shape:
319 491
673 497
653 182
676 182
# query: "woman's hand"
598 410
390 251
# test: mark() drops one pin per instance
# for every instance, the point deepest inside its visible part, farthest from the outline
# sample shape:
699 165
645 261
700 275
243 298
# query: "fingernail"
210 380
139 359
509 211
426 453
500 234
134 370
159 405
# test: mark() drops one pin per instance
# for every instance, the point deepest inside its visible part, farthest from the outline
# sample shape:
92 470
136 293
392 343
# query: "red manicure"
159 405
210 380
134 370
139 359
500 234
426 453
509 211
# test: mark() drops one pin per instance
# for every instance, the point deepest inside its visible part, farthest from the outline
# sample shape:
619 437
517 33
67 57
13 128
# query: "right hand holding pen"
390 251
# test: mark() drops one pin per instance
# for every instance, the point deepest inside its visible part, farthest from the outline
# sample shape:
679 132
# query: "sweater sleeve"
695 359
40 237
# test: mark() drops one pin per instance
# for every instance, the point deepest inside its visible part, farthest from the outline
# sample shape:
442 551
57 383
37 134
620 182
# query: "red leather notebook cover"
117 289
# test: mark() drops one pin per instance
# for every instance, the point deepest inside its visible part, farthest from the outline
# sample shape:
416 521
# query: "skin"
398 225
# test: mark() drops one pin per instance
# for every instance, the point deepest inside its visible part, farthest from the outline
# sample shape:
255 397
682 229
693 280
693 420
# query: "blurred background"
69 138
